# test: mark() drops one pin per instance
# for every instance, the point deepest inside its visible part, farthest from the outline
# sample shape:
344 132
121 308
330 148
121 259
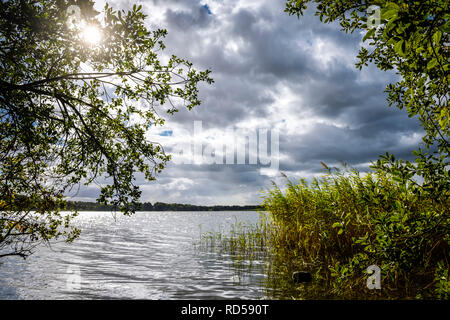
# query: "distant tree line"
146 206
157 206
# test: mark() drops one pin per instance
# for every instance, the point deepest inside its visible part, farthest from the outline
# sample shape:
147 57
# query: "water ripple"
149 255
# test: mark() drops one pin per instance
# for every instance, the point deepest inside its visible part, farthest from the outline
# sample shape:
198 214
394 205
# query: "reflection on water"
149 255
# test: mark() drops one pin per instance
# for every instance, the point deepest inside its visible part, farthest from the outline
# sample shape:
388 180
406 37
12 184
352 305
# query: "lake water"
150 255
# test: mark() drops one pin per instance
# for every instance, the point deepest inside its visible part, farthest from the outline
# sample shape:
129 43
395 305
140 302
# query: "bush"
340 224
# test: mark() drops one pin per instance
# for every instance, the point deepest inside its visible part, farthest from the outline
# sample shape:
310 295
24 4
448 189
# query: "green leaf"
392 6
399 47
369 34
431 64
446 27
336 225
389 14
437 37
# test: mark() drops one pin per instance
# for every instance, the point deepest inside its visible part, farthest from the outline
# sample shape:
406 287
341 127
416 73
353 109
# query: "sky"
290 82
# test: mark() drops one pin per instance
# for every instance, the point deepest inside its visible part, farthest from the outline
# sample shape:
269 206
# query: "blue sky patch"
206 7
167 133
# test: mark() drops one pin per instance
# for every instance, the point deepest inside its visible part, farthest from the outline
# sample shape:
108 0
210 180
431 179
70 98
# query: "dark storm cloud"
269 54
198 17
228 102
332 144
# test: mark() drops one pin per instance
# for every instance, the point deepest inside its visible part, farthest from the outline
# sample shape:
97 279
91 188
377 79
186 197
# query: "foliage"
342 223
412 39
73 112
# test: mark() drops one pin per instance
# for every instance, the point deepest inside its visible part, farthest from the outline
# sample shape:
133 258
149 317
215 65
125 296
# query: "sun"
91 34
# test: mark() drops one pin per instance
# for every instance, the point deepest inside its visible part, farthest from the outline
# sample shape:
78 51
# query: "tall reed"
339 224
